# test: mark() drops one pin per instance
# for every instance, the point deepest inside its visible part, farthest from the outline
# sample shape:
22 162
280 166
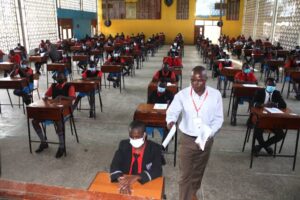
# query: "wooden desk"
109 49
37 58
96 52
151 190
275 63
80 58
50 110
75 48
230 72
282 53
265 120
6 66
153 87
151 117
111 68
240 90
12 83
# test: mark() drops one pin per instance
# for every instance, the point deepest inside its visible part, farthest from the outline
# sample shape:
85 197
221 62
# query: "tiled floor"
227 176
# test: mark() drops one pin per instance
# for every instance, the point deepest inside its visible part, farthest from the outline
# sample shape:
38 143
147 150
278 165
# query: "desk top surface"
6 63
50 103
151 190
14 79
149 108
85 81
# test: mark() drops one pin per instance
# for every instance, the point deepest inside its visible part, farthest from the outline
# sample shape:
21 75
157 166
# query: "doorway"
65 28
199 30
210 29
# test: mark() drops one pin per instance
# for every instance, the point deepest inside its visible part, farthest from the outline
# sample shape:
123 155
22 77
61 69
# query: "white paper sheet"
42 54
160 106
169 136
273 110
203 135
249 85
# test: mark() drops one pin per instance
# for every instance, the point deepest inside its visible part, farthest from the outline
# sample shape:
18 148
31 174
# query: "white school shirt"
211 112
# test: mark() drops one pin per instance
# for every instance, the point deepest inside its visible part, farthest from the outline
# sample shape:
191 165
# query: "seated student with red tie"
268 97
165 74
25 72
172 61
246 76
91 73
137 157
115 77
223 63
161 95
59 90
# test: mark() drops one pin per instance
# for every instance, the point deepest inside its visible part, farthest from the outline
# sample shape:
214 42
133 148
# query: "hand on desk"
271 105
125 183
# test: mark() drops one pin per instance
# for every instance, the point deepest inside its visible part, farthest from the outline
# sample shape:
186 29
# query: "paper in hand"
169 136
204 133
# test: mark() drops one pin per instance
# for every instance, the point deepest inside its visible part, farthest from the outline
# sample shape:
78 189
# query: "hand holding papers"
169 136
203 134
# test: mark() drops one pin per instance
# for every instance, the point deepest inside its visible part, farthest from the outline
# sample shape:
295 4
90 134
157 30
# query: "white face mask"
92 69
161 89
23 66
64 55
137 143
116 55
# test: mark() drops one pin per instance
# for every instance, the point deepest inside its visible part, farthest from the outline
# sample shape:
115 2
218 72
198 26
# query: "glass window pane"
206 8
199 22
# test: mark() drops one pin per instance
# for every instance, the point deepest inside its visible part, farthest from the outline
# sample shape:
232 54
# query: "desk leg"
64 133
29 135
9 98
73 122
100 100
296 149
230 99
252 147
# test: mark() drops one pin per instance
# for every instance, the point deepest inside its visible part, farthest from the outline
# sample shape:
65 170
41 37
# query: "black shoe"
60 152
233 122
118 83
224 95
269 150
92 115
114 85
256 150
41 148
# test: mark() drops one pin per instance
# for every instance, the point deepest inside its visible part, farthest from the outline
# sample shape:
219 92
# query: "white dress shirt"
268 97
211 111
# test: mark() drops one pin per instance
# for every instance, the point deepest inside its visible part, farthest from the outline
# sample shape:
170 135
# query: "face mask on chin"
136 143
92 69
161 89
23 66
247 71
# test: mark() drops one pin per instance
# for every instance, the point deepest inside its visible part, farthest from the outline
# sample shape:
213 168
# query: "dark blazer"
151 164
260 95
166 97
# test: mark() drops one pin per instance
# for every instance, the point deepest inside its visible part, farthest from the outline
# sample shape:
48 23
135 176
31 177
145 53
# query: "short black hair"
137 125
199 70
270 79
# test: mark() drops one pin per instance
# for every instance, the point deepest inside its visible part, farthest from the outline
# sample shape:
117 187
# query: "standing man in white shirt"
202 116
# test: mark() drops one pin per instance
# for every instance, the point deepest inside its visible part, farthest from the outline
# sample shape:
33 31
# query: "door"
199 30
65 28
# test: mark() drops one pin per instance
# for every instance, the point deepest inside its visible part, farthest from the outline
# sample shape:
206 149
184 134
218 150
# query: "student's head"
137 134
246 68
161 87
198 79
19 44
60 78
24 64
270 85
12 52
92 66
165 67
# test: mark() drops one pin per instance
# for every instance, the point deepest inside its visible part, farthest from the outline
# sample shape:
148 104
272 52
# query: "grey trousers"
192 163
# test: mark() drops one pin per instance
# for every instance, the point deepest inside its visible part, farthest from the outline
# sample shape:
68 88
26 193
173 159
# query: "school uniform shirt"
243 77
25 73
64 89
15 59
169 76
151 161
209 106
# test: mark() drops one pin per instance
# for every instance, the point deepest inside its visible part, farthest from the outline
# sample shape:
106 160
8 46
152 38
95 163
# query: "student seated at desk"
59 90
38 65
25 72
223 64
269 97
246 76
90 73
14 58
172 60
161 95
115 77
138 157
23 51
165 74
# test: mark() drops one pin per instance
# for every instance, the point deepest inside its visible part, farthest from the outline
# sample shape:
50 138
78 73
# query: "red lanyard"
195 106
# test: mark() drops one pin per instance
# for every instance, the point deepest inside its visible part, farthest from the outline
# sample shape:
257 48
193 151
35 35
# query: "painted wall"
81 21
167 24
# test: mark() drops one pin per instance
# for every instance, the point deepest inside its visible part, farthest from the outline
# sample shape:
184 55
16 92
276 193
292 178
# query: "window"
233 9
182 9
206 8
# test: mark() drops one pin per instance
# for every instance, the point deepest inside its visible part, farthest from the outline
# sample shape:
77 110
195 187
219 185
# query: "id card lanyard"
201 104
